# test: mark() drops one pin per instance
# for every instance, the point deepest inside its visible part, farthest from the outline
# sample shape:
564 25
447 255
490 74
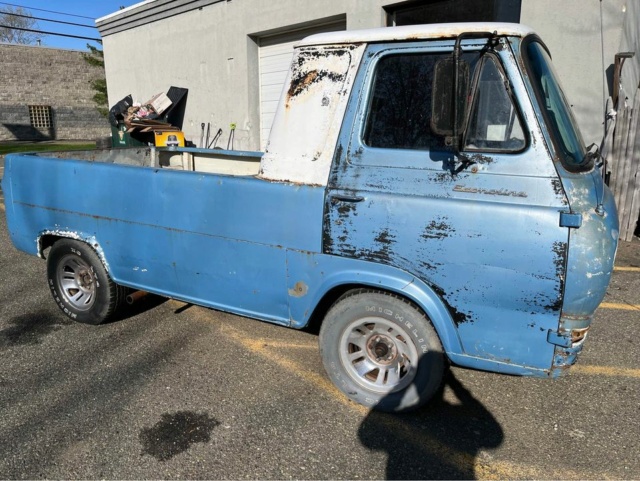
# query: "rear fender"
47 238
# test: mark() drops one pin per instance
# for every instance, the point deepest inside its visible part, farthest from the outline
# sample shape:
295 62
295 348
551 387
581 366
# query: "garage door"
276 53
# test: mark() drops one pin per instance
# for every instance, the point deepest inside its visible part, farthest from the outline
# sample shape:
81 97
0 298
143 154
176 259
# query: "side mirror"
448 118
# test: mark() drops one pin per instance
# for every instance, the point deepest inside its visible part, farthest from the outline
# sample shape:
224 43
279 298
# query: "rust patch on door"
299 290
437 229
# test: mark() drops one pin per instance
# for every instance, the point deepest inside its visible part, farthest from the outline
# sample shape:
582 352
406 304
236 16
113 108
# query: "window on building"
443 11
40 116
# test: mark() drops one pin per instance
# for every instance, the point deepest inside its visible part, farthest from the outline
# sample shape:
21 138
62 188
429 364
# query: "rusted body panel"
507 252
311 112
487 241
592 221
149 242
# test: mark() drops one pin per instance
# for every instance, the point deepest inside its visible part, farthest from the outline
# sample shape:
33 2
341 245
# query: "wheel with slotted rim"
381 351
80 284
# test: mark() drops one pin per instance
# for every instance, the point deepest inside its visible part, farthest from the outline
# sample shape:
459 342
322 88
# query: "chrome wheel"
378 354
77 282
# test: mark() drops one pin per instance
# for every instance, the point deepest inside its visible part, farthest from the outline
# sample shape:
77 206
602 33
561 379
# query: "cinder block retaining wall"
61 79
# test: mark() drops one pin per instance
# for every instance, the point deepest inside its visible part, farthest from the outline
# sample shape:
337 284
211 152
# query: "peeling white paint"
415 32
309 117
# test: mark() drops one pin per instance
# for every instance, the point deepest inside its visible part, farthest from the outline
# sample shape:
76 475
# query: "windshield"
556 110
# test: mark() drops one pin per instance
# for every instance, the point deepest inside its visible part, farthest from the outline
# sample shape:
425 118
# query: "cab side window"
399 109
494 123
399 112
400 105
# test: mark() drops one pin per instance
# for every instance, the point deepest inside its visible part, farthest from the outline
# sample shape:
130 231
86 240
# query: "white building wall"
572 31
213 51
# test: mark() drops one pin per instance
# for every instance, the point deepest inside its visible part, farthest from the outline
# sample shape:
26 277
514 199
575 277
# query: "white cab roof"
414 32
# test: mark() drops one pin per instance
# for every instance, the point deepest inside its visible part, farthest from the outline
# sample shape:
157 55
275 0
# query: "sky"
80 11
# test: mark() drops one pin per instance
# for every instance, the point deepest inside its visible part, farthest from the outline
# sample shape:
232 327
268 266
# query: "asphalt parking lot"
171 391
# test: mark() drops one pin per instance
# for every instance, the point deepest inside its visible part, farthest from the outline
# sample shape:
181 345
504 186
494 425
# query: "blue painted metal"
565 357
570 219
489 247
558 339
589 260
322 273
213 240
487 254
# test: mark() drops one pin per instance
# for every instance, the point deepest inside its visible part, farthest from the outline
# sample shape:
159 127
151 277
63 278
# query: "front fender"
311 276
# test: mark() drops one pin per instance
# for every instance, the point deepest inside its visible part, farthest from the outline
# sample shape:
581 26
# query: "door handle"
346 198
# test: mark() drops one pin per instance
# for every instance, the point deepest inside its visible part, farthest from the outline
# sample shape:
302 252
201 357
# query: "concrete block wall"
31 75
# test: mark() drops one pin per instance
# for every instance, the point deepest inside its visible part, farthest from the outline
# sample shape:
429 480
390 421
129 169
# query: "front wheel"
80 284
381 351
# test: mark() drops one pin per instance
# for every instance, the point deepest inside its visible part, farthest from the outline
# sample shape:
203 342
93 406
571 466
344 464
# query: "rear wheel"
80 284
381 351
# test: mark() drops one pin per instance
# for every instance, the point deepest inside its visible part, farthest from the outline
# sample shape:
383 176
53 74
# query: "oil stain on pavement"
175 433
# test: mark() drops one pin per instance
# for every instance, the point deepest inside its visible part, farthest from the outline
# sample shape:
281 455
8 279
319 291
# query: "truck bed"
208 238
213 161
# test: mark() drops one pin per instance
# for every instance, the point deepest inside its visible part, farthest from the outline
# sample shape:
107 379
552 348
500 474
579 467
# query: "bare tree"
15 24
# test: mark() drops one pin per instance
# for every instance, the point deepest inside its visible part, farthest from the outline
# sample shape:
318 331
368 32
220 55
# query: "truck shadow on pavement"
440 441
30 328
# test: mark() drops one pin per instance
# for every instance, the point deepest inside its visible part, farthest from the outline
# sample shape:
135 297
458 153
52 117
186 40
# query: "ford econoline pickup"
425 196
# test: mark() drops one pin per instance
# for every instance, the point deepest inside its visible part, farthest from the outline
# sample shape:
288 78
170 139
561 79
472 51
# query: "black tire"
79 283
381 351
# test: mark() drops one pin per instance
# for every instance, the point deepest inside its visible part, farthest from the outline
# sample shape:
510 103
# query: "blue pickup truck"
425 195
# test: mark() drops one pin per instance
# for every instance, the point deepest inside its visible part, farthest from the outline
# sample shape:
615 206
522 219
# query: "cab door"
481 228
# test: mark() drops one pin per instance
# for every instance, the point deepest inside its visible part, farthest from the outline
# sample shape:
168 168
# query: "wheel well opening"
46 241
315 321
